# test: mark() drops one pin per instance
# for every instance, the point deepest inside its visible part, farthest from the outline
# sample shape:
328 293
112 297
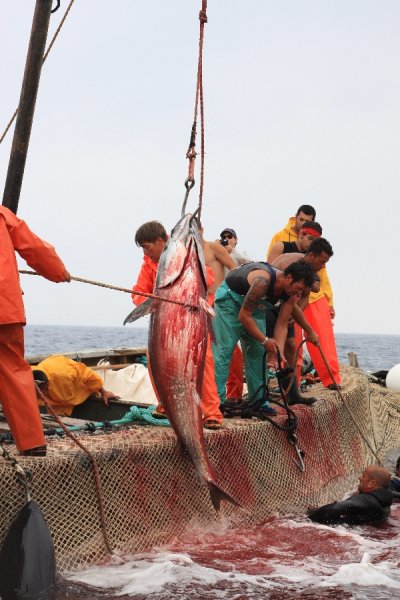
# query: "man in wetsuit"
240 305
371 503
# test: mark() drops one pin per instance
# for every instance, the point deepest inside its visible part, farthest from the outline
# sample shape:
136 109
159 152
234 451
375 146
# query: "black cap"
40 377
228 230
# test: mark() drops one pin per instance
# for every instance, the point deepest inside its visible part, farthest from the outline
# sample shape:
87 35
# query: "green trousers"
227 332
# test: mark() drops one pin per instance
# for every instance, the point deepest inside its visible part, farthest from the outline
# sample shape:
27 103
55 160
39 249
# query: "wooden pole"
26 108
353 360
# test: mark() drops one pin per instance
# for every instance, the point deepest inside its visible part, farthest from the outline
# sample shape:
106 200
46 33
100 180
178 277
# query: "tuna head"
184 237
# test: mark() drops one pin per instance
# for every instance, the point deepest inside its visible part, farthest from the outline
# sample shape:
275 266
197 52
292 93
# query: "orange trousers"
318 316
234 384
17 390
210 402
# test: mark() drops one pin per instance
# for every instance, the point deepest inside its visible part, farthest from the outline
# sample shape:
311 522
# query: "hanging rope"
120 289
24 476
11 121
95 467
199 100
347 407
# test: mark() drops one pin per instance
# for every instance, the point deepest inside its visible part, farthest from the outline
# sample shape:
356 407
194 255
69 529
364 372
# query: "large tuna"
177 343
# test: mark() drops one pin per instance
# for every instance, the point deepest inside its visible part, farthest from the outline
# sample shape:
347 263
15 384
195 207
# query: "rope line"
347 407
95 468
11 121
120 289
199 101
23 476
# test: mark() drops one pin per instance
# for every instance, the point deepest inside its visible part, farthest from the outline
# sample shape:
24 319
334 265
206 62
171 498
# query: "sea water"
375 352
284 557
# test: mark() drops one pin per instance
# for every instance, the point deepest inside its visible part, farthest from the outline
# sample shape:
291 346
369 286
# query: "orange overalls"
17 388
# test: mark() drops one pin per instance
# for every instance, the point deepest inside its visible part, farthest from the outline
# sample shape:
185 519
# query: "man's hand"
273 348
332 312
106 396
312 337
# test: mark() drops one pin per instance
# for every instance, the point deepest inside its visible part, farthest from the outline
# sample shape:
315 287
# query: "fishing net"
149 488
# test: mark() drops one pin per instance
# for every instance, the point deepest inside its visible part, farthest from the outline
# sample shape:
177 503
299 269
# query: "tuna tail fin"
140 311
217 494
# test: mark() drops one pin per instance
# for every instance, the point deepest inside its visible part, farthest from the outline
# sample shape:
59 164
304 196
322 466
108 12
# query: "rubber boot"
293 395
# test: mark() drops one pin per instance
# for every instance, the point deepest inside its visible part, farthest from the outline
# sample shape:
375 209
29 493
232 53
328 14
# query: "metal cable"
95 467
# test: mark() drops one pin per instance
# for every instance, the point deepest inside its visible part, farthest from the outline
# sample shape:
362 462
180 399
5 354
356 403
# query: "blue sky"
302 105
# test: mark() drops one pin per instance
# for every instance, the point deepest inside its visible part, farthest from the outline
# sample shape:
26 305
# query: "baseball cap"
228 230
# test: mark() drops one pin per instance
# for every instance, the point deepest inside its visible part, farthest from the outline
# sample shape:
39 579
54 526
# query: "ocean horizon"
374 352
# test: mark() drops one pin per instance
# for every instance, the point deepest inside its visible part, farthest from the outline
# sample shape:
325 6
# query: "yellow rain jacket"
324 290
70 383
288 235
285 235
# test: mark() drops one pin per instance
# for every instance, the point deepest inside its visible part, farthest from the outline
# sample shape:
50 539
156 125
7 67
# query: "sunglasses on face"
227 236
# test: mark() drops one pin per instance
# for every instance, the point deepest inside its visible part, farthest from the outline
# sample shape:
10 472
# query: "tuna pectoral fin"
205 306
217 494
140 311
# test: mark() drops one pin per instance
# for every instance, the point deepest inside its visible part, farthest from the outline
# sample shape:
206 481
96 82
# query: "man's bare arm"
256 293
284 260
222 255
282 322
276 250
299 317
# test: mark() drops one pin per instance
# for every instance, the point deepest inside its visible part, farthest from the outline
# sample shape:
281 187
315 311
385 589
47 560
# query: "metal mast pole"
26 109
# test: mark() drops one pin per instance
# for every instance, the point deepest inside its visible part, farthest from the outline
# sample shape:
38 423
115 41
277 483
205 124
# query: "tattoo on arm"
257 292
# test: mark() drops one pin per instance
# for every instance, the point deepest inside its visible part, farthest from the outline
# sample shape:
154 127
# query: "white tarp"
131 384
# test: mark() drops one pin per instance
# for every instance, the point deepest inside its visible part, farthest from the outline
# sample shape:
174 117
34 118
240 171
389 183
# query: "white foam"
151 573
365 574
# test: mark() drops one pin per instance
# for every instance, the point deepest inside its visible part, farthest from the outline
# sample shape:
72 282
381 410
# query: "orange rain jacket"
41 256
146 280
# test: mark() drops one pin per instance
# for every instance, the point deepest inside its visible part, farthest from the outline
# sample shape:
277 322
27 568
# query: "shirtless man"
317 313
217 257
229 239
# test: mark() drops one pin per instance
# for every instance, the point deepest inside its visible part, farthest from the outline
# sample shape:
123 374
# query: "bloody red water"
283 557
